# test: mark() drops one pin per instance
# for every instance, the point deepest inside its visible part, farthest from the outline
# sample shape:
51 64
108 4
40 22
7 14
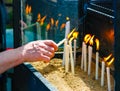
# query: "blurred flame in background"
97 44
87 38
91 40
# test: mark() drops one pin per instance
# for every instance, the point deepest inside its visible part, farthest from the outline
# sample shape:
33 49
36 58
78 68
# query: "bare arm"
33 51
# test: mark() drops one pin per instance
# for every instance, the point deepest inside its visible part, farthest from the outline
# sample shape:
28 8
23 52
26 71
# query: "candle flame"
56 23
26 9
107 58
67 18
110 62
91 40
75 34
29 9
87 38
42 20
52 21
48 26
62 26
38 17
69 35
97 44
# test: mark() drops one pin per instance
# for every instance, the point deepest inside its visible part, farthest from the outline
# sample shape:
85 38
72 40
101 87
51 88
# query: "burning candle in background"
28 15
84 52
75 34
108 73
68 36
42 20
38 26
56 24
38 31
97 59
47 29
90 49
103 69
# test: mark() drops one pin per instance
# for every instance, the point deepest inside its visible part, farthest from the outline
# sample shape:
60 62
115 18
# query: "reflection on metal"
101 13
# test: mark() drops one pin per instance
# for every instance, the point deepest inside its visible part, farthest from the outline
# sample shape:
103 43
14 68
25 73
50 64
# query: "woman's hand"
41 50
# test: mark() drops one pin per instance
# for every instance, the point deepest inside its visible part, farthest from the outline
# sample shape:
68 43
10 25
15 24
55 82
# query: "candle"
90 54
65 52
89 58
38 31
82 55
97 59
28 19
67 59
75 34
84 50
102 73
85 57
108 78
75 51
67 27
103 68
108 73
28 15
97 65
71 57
68 36
61 42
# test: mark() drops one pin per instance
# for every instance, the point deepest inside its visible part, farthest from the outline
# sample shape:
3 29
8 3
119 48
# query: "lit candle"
97 65
108 78
97 59
85 57
71 57
102 73
28 19
75 45
38 31
47 29
89 58
61 42
75 34
108 73
82 55
90 54
103 69
84 52
68 36
28 15
67 58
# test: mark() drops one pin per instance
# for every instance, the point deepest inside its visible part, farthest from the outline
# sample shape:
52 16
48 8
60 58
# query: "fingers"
51 43
47 53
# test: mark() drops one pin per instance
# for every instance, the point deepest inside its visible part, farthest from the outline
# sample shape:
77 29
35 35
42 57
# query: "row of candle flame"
41 19
89 39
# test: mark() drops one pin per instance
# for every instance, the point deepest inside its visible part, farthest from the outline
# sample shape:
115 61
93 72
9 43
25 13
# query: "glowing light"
48 26
108 57
91 40
97 44
62 26
87 38
70 34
